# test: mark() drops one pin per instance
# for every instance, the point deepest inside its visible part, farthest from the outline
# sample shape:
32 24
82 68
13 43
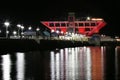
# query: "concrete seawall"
51 44
18 45
31 44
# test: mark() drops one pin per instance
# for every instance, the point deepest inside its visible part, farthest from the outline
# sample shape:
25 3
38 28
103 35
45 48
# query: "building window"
86 24
67 24
93 24
51 24
80 24
76 24
63 24
57 24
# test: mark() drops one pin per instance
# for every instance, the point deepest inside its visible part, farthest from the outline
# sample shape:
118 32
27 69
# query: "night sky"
31 13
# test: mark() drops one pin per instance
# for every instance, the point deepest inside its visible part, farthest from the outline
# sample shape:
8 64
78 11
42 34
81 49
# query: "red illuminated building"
86 27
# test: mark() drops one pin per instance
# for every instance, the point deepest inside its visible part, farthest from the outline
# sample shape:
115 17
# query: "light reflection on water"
79 63
6 67
20 62
74 64
117 63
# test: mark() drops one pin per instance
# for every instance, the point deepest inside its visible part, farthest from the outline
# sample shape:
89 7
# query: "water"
79 63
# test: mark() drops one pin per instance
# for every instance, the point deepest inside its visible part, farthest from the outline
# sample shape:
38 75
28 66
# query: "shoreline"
43 44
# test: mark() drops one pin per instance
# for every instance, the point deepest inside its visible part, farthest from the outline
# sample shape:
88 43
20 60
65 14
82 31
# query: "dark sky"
31 12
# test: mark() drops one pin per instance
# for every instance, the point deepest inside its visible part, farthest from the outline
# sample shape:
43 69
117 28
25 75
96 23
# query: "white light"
7 32
22 27
6 24
61 32
29 28
14 32
88 18
52 30
57 31
37 29
18 25
99 19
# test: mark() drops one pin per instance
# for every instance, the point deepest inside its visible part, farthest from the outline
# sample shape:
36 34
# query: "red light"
81 30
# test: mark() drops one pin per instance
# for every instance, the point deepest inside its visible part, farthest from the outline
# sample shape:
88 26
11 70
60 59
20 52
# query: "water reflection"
79 63
61 64
117 62
6 67
71 63
88 63
20 62
97 63
52 65
109 66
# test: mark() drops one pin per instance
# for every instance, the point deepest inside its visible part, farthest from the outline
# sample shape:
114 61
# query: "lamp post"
22 27
88 18
6 25
57 33
30 28
14 33
19 26
37 31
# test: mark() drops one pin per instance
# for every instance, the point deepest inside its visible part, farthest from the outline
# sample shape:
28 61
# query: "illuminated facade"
86 27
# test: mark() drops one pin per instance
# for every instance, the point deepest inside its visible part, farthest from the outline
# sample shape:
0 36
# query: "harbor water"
77 63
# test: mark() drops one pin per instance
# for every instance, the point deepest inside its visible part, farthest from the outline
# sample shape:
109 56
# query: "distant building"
87 27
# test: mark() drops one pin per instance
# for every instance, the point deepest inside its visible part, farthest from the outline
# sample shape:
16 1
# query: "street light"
30 28
52 31
22 27
88 18
14 33
19 26
6 25
38 29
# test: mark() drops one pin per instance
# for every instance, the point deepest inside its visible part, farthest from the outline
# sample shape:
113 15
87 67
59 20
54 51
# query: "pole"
6 31
18 31
6 25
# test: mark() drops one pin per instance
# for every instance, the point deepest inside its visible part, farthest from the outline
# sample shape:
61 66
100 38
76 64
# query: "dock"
47 44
